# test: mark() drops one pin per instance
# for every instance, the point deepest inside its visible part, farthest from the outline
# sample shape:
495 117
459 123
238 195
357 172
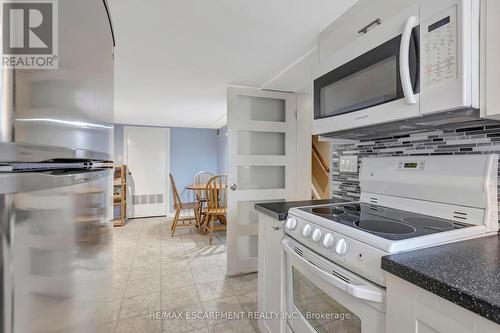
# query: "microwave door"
56 250
386 73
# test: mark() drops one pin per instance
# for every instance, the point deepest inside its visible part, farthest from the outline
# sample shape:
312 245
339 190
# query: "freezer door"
57 257
65 112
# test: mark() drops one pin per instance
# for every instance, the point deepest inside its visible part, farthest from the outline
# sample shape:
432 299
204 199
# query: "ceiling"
175 59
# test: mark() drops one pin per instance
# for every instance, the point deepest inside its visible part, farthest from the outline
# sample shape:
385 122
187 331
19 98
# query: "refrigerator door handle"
6 266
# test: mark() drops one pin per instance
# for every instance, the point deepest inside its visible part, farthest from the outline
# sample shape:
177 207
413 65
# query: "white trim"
167 172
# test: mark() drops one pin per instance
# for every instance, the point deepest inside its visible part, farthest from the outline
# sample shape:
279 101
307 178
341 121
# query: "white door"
261 165
146 156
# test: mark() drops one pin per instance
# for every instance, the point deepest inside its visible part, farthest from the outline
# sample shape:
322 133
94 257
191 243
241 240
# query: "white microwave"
421 60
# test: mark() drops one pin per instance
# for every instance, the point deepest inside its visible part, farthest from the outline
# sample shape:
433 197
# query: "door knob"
234 187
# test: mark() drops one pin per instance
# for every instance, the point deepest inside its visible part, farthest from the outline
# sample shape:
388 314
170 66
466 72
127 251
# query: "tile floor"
154 272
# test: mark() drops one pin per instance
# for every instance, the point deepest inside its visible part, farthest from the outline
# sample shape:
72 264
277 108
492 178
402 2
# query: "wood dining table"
198 189
201 187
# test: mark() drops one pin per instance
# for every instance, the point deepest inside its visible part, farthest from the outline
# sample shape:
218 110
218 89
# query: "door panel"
261 163
145 153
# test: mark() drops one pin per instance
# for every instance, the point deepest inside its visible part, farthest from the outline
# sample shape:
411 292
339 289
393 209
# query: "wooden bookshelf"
120 195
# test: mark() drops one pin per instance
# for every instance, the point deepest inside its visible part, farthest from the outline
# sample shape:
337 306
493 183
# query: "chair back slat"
216 192
177 199
202 178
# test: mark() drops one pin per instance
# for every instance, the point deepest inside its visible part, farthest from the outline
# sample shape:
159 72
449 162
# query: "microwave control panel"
439 36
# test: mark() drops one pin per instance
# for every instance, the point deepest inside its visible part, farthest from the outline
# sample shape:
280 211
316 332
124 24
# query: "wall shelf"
120 195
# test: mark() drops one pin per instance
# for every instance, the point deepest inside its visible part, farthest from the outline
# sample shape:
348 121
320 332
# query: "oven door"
323 297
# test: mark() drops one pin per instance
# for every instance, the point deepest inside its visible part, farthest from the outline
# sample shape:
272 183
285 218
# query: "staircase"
320 180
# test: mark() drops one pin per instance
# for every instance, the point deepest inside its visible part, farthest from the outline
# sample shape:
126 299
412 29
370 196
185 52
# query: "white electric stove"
406 203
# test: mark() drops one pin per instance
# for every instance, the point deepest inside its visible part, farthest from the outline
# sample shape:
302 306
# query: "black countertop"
466 273
279 210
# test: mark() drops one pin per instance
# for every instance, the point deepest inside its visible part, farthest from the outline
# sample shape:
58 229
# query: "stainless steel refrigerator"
56 134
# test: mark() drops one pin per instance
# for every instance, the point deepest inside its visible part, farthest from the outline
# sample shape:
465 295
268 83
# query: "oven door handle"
404 62
357 290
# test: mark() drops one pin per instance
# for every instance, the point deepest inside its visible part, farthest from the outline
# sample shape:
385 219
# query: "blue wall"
192 150
222 150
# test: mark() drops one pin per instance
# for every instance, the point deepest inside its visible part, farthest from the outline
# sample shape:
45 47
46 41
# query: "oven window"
370 86
320 310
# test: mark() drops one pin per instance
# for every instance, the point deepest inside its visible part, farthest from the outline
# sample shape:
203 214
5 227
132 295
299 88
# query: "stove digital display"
412 165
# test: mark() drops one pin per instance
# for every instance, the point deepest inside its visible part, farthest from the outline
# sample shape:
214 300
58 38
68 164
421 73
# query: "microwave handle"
361 291
404 63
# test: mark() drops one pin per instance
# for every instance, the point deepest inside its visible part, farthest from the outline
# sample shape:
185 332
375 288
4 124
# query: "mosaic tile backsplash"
460 140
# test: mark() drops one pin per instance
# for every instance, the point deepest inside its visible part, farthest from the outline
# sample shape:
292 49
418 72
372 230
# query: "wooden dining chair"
201 179
216 194
180 206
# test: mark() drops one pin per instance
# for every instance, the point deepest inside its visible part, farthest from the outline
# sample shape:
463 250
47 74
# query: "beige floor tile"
201 330
184 324
142 286
140 305
124 243
89 328
122 263
144 271
248 301
182 273
146 260
174 298
174 267
167 250
140 324
244 284
208 275
120 276
148 251
203 262
174 249
173 243
176 280
232 326
224 270
214 290
222 305
132 234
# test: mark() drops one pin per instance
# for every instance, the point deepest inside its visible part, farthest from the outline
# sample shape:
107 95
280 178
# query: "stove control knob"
341 247
328 241
306 231
291 223
316 235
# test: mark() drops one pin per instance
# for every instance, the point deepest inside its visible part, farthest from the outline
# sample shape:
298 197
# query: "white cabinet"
345 30
490 59
271 280
413 309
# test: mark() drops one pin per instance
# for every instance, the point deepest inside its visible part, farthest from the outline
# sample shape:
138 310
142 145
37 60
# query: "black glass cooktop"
385 222
328 211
